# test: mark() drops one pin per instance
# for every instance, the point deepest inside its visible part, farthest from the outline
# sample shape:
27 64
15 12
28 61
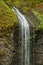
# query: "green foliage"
7 17
24 5
40 17
38 1
23 2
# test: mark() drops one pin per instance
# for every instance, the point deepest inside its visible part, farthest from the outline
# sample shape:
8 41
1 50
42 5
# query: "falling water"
25 37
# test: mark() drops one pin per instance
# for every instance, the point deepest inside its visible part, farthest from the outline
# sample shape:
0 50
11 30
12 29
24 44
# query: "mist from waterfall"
24 32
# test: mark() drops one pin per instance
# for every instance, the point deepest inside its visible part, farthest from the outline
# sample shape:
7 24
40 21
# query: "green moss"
23 2
39 16
7 17
23 5
24 9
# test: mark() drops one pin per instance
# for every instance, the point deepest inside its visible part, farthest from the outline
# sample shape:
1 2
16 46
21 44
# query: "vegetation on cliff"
7 17
25 5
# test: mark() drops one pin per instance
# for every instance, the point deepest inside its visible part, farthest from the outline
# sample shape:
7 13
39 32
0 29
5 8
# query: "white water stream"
25 37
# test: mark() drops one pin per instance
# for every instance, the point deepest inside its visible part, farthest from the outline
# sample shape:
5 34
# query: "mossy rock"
23 5
40 17
26 6
7 17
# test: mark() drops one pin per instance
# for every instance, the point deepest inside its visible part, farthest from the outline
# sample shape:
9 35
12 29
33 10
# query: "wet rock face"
9 46
6 51
37 49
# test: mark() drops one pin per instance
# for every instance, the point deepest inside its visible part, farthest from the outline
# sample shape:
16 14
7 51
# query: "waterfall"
25 37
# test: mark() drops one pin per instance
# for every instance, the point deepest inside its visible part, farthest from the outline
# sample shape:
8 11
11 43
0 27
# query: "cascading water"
25 37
